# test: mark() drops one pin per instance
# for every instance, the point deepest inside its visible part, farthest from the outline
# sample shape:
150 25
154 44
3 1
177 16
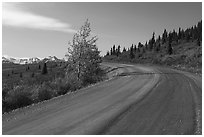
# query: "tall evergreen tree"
195 33
174 36
146 46
118 50
187 35
111 51
179 33
44 70
152 42
140 45
135 48
114 50
124 49
159 39
182 34
153 37
107 54
170 50
199 29
132 52
164 36
169 47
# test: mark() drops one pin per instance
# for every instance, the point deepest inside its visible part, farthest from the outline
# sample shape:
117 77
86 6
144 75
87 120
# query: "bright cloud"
14 15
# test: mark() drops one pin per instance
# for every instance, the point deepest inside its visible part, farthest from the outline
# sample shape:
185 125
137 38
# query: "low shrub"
45 92
33 90
90 78
72 81
60 86
19 97
5 90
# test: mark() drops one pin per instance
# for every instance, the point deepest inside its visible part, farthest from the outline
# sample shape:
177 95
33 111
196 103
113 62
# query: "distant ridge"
30 60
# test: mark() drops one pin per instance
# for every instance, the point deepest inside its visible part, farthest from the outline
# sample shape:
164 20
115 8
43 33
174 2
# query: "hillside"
182 50
187 56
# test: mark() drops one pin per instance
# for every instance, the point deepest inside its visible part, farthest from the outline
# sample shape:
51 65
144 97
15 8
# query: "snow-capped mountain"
28 60
6 59
51 58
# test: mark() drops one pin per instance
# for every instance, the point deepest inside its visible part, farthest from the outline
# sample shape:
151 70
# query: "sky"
41 29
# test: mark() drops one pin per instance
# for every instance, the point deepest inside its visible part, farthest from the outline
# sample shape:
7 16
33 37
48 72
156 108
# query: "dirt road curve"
139 100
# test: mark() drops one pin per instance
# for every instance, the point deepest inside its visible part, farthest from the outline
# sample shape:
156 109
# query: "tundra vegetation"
27 84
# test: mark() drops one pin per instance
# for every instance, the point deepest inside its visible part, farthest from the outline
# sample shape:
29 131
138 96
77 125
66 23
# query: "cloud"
14 15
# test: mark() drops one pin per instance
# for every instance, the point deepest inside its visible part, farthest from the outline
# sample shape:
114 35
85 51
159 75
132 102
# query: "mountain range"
30 60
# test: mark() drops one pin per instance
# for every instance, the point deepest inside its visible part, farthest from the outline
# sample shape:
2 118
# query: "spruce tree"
169 48
118 50
146 46
111 51
158 39
44 70
107 54
179 33
132 52
135 48
164 36
124 49
199 29
114 50
195 33
153 38
152 42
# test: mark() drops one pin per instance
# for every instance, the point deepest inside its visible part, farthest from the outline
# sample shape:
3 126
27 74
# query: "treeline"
162 43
